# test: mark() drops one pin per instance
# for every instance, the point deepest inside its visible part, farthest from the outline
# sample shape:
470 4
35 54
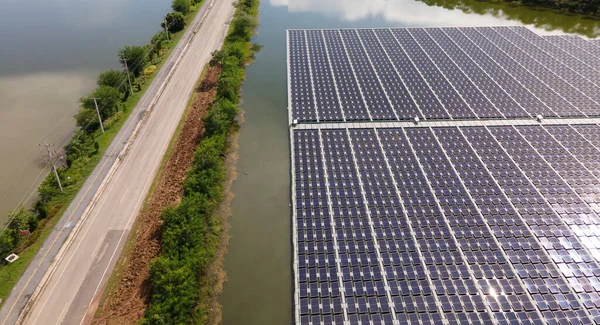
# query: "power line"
166 29
71 141
52 161
98 112
128 78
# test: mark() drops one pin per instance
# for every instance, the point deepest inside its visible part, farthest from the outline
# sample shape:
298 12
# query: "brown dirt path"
126 301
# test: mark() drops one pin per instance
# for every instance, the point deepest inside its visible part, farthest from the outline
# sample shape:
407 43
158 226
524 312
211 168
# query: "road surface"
74 263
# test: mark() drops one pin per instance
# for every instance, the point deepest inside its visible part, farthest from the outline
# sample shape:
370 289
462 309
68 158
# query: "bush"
174 292
112 120
182 6
149 70
220 119
76 147
157 41
175 22
243 26
48 189
20 219
7 243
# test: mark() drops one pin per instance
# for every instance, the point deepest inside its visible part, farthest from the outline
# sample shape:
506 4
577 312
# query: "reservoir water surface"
50 54
259 261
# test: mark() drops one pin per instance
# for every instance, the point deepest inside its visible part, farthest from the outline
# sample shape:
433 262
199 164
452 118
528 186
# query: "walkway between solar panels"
445 123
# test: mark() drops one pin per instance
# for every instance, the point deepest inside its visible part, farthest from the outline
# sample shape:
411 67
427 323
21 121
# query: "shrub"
243 26
7 243
174 292
149 70
157 41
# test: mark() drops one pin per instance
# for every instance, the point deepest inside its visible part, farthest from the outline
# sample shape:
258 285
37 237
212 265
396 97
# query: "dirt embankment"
129 294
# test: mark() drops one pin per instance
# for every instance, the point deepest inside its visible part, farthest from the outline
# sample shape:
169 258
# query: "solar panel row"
577 48
448 225
458 224
440 73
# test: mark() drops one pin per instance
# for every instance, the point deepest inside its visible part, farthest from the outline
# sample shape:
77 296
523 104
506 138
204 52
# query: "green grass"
79 171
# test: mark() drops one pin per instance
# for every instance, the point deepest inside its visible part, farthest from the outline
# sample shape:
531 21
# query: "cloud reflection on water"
428 13
407 12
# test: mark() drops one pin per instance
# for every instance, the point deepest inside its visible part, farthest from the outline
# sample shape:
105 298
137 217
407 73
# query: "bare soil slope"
129 295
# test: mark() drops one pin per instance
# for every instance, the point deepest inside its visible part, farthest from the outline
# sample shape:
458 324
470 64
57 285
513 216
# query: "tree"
41 209
182 6
107 99
136 58
175 22
113 78
87 120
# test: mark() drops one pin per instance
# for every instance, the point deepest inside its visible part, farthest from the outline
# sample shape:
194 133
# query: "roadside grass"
80 171
130 242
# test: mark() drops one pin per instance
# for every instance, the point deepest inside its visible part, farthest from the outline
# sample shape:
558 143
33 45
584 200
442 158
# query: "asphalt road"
61 283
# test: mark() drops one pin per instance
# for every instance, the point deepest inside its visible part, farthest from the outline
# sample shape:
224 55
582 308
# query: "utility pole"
48 145
98 111
128 78
166 29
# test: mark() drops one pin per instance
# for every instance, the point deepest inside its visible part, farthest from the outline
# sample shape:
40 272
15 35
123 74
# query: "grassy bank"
191 232
83 153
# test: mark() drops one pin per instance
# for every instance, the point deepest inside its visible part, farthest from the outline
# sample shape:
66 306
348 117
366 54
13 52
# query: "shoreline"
66 211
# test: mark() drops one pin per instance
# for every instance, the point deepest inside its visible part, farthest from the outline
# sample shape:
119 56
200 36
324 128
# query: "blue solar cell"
444 224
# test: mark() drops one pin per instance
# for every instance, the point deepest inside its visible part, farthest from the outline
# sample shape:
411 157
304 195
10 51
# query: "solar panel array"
440 73
487 217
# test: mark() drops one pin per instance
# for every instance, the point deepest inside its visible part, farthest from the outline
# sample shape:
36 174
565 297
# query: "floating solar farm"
444 176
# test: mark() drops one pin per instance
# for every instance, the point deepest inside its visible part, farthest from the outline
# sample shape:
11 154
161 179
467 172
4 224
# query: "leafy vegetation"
21 220
113 78
539 17
134 57
175 22
182 6
587 7
108 98
82 152
191 231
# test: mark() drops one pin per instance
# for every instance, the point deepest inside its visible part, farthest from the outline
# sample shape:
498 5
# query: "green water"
259 290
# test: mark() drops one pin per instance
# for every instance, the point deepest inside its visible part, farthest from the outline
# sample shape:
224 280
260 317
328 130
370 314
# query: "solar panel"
474 213
440 73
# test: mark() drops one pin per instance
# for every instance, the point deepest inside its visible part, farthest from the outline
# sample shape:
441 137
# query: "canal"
259 261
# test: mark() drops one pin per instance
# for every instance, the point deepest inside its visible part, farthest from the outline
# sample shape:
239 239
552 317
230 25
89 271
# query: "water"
50 54
258 264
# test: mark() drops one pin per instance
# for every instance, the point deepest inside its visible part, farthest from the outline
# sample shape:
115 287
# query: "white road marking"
124 194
